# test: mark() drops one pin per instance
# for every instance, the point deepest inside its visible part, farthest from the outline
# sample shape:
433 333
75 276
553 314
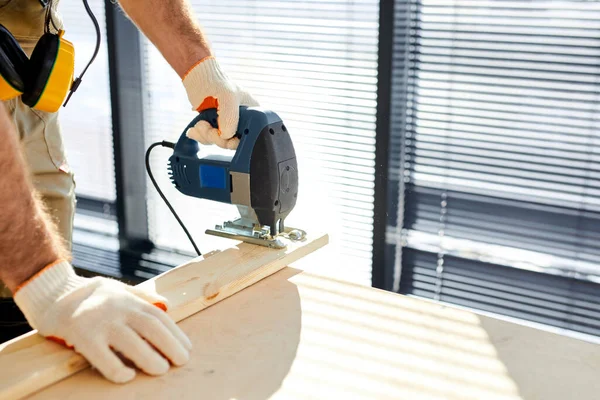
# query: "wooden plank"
296 335
36 363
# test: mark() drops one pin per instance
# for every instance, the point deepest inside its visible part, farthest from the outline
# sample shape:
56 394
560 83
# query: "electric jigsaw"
260 178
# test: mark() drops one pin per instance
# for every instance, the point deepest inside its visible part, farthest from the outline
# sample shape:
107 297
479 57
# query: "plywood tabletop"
296 335
36 363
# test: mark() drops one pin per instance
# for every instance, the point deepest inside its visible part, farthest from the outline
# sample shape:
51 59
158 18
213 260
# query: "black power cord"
77 80
170 145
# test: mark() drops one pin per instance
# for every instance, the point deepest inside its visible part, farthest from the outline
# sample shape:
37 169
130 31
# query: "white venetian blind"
315 64
501 157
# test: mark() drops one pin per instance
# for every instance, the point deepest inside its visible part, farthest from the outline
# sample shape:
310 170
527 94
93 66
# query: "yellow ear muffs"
13 66
50 77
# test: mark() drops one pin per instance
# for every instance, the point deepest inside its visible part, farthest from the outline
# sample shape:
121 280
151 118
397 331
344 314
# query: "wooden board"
296 335
36 363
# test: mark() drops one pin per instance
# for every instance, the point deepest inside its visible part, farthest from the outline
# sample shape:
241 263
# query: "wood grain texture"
30 363
296 335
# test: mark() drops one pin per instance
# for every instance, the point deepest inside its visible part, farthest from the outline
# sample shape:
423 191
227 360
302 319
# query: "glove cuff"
199 78
39 292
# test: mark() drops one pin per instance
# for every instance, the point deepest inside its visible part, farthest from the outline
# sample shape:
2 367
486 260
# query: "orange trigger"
59 341
208 103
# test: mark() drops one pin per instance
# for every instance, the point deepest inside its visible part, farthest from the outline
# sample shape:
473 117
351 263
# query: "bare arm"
28 238
95 315
171 27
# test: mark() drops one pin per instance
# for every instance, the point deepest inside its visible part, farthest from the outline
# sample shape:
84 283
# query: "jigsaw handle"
188 147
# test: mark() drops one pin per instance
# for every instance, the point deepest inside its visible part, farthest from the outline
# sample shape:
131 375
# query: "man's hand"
172 27
207 87
100 316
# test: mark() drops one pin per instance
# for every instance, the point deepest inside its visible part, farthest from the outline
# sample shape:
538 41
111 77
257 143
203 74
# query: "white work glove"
207 86
98 315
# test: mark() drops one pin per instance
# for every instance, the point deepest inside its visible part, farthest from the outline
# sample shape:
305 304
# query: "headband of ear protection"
43 80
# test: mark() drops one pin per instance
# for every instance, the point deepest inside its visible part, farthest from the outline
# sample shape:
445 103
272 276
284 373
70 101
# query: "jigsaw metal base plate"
242 229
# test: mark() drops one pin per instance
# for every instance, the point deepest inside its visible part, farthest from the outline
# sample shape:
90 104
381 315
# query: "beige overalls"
40 131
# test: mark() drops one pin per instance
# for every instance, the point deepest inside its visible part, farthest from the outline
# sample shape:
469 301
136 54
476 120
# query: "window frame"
125 47
397 263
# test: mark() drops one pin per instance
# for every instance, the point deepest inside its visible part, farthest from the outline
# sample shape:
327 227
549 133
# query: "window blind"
86 121
499 124
315 64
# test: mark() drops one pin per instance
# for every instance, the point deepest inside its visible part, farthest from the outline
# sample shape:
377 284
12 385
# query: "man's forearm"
172 28
28 238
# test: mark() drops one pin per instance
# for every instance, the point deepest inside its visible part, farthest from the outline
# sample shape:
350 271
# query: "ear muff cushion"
41 64
13 61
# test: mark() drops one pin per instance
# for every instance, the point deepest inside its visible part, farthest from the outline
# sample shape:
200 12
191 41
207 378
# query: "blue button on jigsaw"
213 177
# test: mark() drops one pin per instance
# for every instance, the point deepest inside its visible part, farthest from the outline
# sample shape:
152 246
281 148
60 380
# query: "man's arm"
93 315
171 27
28 238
